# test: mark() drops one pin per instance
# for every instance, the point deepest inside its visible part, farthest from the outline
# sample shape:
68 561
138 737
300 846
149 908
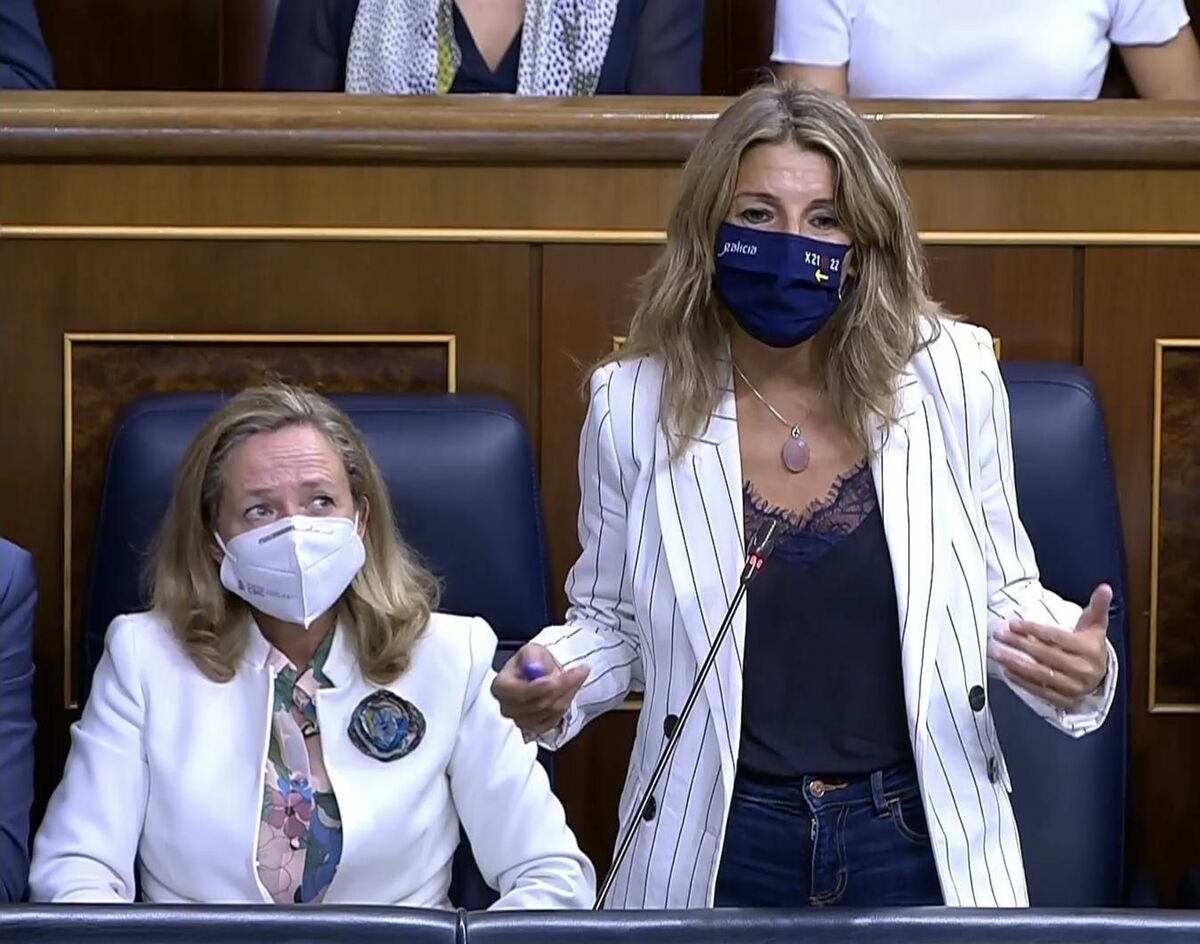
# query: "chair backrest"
245 924
331 924
461 477
833 926
1069 795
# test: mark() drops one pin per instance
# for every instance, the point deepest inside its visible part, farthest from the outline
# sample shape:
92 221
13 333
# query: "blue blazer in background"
24 59
655 48
18 594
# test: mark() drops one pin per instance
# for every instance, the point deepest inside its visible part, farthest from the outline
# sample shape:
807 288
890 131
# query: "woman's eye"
323 503
257 512
825 221
755 216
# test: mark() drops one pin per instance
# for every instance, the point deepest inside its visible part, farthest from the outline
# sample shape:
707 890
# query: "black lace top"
810 533
823 690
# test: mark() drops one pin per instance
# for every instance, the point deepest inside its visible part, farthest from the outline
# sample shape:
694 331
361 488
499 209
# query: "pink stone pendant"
795 454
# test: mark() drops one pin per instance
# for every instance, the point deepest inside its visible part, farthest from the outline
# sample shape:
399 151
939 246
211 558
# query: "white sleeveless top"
974 49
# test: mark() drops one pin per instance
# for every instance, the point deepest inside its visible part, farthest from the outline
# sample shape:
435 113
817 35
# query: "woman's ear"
364 512
850 264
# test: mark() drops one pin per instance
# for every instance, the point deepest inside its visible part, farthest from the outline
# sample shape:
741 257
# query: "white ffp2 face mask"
294 569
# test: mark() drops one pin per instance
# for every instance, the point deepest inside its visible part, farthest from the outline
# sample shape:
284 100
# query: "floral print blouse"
300 836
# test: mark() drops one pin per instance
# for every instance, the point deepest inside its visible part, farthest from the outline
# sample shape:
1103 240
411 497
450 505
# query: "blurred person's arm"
830 78
1158 46
18 596
812 43
24 59
1167 71
307 51
670 44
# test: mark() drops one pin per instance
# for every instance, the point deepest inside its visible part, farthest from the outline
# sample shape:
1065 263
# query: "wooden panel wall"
1073 235
1133 296
177 45
134 44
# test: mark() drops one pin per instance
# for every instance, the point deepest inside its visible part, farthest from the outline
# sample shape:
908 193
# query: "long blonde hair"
877 327
390 600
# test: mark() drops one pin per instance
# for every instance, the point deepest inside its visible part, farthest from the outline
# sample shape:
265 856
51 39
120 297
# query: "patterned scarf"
407 47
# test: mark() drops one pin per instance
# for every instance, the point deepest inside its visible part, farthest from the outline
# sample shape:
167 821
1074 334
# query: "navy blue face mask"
781 288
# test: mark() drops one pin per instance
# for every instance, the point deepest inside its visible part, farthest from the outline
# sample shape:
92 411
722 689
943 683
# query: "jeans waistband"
826 791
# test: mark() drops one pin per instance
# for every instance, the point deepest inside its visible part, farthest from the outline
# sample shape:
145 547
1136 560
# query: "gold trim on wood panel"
1156 708
1056 238
551 235
71 338
68 655
335 233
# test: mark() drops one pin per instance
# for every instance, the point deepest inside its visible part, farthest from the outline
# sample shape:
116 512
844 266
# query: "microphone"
761 546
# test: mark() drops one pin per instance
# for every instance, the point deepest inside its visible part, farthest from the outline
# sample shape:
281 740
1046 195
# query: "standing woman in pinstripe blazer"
786 362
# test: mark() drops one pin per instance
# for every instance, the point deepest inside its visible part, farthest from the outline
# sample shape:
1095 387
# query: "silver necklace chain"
774 412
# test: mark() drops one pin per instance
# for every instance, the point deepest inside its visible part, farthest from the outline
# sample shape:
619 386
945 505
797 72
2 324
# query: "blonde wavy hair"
878 325
390 600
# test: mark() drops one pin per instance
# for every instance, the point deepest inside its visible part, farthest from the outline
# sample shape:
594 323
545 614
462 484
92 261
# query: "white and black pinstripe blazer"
663 547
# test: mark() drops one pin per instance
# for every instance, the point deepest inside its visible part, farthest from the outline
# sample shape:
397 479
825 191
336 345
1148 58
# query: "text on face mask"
741 249
814 259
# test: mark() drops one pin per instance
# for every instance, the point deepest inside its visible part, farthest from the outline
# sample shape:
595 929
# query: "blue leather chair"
246 924
1069 795
834 926
18 596
462 481
106 924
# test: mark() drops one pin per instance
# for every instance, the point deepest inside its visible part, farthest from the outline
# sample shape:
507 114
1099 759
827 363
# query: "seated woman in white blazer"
785 363
292 722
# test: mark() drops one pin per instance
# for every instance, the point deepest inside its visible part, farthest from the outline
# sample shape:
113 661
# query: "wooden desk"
163 242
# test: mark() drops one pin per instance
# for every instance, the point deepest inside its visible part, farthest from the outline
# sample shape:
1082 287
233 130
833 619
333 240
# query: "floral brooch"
386 727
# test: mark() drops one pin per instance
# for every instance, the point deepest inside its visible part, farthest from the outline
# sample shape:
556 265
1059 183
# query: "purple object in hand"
532 671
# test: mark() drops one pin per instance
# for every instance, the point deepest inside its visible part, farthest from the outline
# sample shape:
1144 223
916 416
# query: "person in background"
985 49
786 365
24 59
18 597
293 722
530 47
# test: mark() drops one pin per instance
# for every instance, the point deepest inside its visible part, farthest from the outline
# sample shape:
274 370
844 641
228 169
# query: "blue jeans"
859 842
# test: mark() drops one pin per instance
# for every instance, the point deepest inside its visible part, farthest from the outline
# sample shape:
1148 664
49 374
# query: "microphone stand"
760 549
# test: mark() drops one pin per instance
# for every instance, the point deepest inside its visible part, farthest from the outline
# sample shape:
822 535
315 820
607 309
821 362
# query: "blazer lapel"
908 460
700 511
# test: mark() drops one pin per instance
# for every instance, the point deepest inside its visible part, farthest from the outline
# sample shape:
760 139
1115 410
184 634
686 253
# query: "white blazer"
166 768
663 547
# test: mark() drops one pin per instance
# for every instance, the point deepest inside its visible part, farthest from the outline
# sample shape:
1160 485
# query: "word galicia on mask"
741 249
293 569
780 288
